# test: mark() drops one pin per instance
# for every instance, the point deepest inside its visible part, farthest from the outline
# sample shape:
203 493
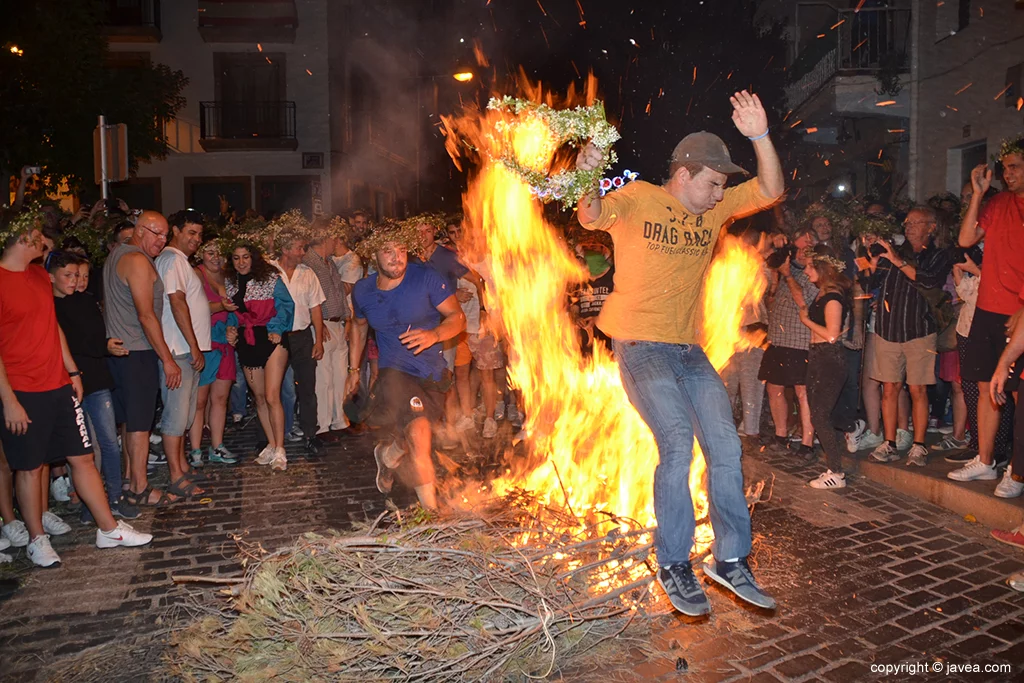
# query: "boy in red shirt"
1000 293
40 389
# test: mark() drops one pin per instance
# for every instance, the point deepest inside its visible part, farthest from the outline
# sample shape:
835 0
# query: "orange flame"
589 447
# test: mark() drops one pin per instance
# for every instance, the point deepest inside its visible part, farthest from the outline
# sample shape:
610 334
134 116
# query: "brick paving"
863 576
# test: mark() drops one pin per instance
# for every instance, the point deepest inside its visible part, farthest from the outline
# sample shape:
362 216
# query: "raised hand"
981 179
748 114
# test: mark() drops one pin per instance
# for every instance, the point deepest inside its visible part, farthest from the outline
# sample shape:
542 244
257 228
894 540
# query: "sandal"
141 499
194 475
183 487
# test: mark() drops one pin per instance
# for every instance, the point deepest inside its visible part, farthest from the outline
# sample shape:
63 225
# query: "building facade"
967 85
255 133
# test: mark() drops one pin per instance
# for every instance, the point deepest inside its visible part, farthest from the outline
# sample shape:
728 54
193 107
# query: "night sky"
665 69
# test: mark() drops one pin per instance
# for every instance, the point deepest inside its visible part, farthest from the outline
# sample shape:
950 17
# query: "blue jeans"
288 400
680 396
99 406
238 391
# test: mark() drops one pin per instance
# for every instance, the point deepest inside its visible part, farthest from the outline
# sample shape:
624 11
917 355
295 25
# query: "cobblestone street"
864 576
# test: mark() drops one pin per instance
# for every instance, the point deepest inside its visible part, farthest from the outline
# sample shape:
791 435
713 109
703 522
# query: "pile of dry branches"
512 590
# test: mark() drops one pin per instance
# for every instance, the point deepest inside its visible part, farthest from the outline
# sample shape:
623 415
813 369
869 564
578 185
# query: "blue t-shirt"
411 305
446 263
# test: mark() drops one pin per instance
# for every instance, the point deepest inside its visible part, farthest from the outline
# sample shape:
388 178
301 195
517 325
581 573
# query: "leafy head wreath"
1011 145
830 260
385 232
30 218
573 126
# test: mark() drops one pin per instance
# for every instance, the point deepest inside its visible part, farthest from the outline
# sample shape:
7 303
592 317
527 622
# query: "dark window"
969 158
1015 85
203 194
138 193
964 15
250 88
277 195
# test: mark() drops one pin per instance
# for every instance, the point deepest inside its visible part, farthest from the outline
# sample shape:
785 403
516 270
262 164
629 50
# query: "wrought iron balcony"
873 41
247 125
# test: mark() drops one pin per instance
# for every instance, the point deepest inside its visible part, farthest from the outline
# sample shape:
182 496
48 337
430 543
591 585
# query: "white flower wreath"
572 126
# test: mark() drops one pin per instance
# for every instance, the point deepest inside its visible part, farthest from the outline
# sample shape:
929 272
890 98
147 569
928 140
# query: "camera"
876 250
779 256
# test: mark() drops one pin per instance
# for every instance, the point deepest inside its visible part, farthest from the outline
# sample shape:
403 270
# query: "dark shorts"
985 344
399 398
57 430
783 366
136 387
254 355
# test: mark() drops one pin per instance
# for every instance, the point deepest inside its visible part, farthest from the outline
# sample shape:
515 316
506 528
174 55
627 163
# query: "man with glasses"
905 329
133 307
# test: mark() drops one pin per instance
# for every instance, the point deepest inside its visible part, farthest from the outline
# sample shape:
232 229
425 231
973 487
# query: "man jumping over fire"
664 238
412 310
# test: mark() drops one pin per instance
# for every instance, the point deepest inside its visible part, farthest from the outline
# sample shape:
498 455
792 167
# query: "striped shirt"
901 312
334 306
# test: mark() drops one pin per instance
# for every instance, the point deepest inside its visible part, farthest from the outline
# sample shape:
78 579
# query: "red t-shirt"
29 336
1002 270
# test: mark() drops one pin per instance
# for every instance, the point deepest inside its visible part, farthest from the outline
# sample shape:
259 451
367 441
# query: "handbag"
940 305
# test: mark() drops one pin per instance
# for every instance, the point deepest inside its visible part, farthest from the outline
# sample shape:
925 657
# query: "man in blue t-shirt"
412 310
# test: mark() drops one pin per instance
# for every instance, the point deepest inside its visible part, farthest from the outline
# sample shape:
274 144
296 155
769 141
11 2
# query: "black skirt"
254 355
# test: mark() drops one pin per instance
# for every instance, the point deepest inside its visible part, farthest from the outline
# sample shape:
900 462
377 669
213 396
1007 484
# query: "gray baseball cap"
708 149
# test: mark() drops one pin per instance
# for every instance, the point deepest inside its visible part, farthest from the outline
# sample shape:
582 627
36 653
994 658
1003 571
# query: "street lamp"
463 76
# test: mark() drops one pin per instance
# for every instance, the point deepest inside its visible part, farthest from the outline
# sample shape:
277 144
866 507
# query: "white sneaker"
464 424
1007 488
155 439
54 525
123 534
884 453
904 439
60 488
490 428
829 480
869 440
4 543
266 456
5 558
918 455
16 533
975 470
41 552
853 437
280 461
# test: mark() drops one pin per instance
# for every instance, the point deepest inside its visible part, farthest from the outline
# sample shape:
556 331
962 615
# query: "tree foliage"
51 95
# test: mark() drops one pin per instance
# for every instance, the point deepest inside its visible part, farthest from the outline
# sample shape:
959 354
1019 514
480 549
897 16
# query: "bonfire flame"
590 450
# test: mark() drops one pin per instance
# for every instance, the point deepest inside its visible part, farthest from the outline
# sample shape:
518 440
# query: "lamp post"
461 76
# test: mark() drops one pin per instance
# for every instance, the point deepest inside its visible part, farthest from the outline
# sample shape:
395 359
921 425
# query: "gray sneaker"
918 455
683 589
885 453
737 577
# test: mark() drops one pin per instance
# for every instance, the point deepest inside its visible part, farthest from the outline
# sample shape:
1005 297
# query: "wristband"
762 135
351 370
76 373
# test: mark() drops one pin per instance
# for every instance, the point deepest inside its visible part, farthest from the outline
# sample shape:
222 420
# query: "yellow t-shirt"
662 254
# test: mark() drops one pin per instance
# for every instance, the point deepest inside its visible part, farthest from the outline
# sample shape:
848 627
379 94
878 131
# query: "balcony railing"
874 39
132 20
865 42
250 125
